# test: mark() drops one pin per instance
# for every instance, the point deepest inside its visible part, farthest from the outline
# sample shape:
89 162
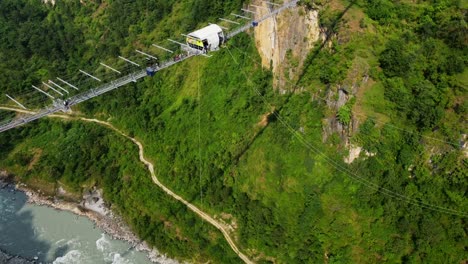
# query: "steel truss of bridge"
64 105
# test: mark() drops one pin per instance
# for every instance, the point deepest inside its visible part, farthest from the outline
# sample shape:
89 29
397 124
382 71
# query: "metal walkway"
60 105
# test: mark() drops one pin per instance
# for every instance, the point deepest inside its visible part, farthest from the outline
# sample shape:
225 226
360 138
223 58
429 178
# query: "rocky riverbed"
8 259
91 206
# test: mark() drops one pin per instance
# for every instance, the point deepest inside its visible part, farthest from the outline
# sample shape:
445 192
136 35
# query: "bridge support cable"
90 76
146 54
69 84
45 93
110 68
240 16
249 11
74 100
58 86
16 102
162 48
52 88
129 61
177 42
225 28
229 21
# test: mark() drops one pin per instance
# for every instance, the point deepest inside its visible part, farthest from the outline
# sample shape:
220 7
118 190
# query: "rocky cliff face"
285 40
331 124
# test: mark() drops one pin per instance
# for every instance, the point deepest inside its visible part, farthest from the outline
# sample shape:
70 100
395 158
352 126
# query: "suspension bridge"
62 87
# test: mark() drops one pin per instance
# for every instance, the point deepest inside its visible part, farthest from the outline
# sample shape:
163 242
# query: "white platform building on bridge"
207 38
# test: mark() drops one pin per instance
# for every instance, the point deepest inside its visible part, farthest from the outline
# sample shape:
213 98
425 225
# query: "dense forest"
222 137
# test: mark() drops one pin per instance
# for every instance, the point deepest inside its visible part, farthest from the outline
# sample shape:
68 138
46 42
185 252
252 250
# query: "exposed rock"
339 95
8 259
342 98
49 1
288 36
61 191
331 124
355 152
464 145
4 174
5 180
92 200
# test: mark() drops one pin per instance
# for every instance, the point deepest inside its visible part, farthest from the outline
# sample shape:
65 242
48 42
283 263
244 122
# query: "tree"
395 60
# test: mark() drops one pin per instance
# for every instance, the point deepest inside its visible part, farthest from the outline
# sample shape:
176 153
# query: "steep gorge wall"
285 40
284 43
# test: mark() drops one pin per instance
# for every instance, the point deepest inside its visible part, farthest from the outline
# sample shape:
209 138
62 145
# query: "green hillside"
222 137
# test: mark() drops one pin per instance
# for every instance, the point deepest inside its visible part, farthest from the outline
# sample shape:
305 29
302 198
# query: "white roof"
206 32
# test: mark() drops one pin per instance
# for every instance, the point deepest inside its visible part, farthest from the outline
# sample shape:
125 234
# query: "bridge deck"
59 105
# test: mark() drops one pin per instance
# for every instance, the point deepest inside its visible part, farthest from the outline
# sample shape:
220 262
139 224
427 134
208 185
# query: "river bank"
92 207
6 258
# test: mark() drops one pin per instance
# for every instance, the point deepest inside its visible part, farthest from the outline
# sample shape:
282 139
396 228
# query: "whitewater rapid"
47 235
